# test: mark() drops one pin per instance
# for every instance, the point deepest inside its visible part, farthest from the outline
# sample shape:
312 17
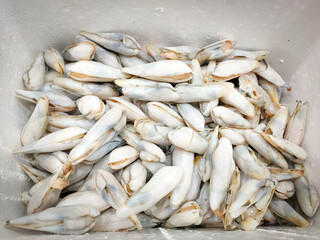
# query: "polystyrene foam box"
289 29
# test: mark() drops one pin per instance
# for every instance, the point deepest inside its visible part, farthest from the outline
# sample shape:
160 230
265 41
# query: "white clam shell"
236 99
34 78
79 51
285 189
267 72
215 51
58 102
278 123
265 149
122 157
90 198
74 219
160 112
91 107
188 214
192 141
64 121
164 71
283 209
103 91
132 111
89 71
204 92
223 167
183 159
54 60
296 126
249 163
192 116
153 132
57 141
37 123
228 118
117 42
97 135
233 68
134 177
286 146
162 182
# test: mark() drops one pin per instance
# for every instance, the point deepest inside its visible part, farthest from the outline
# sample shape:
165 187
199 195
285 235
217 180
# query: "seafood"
215 51
98 135
59 220
236 99
193 142
228 118
102 91
153 132
46 193
90 71
197 77
117 42
184 160
247 161
54 60
35 174
162 182
244 197
108 221
297 123
233 68
37 123
205 162
286 146
148 151
34 78
283 209
91 107
113 193
51 75
235 137
223 167
134 177
278 123
173 71
122 157
285 189
147 93
203 201
192 116
265 149
102 55
86 198
194 188
131 61
57 102
255 55
179 52
124 137
63 139
60 121
203 92
307 195
131 110
160 112
268 73
79 51
51 162
187 214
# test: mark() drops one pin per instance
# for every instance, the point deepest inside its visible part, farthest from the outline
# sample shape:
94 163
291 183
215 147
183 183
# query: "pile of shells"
125 137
